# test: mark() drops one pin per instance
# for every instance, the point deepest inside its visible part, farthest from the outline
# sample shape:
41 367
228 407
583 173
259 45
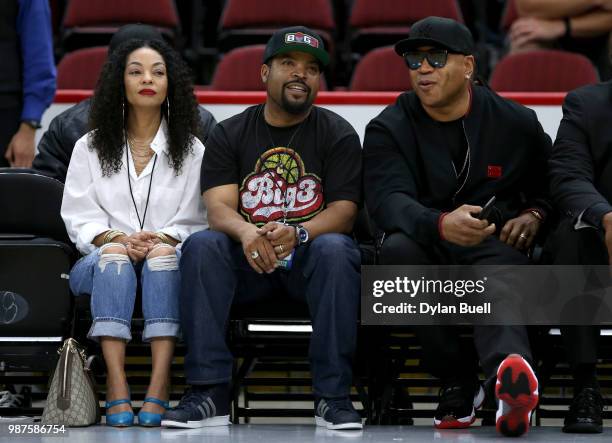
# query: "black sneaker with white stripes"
337 413
200 408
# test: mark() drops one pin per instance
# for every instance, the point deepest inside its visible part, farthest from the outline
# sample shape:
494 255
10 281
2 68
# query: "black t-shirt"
286 173
456 144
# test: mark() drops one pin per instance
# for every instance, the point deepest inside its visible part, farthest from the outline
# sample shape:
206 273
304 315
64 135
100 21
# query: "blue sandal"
151 419
120 419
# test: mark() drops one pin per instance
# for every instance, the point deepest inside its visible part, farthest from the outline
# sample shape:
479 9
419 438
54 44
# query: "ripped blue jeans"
111 281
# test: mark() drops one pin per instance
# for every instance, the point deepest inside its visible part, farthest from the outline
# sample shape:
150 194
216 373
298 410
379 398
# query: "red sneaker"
517 392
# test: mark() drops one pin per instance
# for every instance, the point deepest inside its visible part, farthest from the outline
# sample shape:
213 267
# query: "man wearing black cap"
431 161
282 182
56 144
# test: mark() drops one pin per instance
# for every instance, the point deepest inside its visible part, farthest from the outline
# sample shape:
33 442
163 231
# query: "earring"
168 109
123 111
468 75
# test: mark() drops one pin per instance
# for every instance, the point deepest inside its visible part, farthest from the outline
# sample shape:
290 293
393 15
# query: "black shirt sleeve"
342 174
390 184
220 165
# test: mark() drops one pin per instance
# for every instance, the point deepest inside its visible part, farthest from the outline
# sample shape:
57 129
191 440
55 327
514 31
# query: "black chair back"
30 204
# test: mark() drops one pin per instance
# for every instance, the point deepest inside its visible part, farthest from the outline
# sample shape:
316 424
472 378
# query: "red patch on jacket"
494 171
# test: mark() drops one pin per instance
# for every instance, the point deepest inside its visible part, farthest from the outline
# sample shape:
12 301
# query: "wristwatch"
301 234
34 124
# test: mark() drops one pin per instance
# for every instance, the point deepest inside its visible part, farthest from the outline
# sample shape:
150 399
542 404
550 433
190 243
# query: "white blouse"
93 204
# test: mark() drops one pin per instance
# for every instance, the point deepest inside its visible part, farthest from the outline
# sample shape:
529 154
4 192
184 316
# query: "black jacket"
57 143
581 160
408 172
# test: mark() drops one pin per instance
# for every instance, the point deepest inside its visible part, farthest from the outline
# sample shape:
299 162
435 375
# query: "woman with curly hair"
132 195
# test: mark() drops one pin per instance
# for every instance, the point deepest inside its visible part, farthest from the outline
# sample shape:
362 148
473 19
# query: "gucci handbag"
72 399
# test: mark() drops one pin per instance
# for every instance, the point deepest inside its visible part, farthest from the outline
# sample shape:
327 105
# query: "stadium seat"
239 70
509 16
253 21
375 23
92 22
80 69
35 259
543 71
381 70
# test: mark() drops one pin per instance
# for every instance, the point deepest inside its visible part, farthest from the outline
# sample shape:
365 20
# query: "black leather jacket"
57 143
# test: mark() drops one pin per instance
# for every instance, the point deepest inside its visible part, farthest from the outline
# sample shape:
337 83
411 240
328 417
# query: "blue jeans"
111 281
216 274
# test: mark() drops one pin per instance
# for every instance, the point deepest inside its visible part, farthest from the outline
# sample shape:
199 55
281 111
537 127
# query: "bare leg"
162 350
116 381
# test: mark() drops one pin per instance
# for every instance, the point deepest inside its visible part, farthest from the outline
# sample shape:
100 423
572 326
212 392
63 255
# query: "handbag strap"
110 404
90 360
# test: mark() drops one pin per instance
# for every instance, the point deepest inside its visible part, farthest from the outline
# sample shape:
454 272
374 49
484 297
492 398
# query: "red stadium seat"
383 22
254 21
509 16
99 19
257 13
104 12
381 70
80 69
239 70
543 71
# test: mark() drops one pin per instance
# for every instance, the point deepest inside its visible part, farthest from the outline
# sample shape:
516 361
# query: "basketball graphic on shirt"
285 165
280 189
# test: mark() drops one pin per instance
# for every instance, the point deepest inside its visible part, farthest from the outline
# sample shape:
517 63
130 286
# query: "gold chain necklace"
141 150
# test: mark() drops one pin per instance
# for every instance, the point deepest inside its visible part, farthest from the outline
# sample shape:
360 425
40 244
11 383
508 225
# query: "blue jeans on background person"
111 281
216 274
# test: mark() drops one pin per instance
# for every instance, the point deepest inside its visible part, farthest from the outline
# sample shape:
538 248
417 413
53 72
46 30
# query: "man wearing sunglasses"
431 161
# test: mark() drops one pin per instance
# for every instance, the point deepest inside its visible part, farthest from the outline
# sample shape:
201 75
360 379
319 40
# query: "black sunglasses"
435 57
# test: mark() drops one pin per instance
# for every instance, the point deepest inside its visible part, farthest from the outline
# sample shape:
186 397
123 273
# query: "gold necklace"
139 149
141 154
139 142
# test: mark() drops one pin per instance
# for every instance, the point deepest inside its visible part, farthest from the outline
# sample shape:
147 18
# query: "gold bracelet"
536 214
163 238
105 238
111 235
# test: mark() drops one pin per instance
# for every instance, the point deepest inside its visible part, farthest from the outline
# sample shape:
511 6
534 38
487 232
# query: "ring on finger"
281 248
523 236
254 255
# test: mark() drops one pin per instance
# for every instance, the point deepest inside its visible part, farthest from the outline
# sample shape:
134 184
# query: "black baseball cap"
135 31
438 32
296 38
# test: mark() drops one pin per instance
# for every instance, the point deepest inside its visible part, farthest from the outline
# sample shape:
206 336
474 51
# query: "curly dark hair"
106 117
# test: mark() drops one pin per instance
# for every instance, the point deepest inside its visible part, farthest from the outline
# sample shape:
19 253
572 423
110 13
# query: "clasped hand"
138 244
264 246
